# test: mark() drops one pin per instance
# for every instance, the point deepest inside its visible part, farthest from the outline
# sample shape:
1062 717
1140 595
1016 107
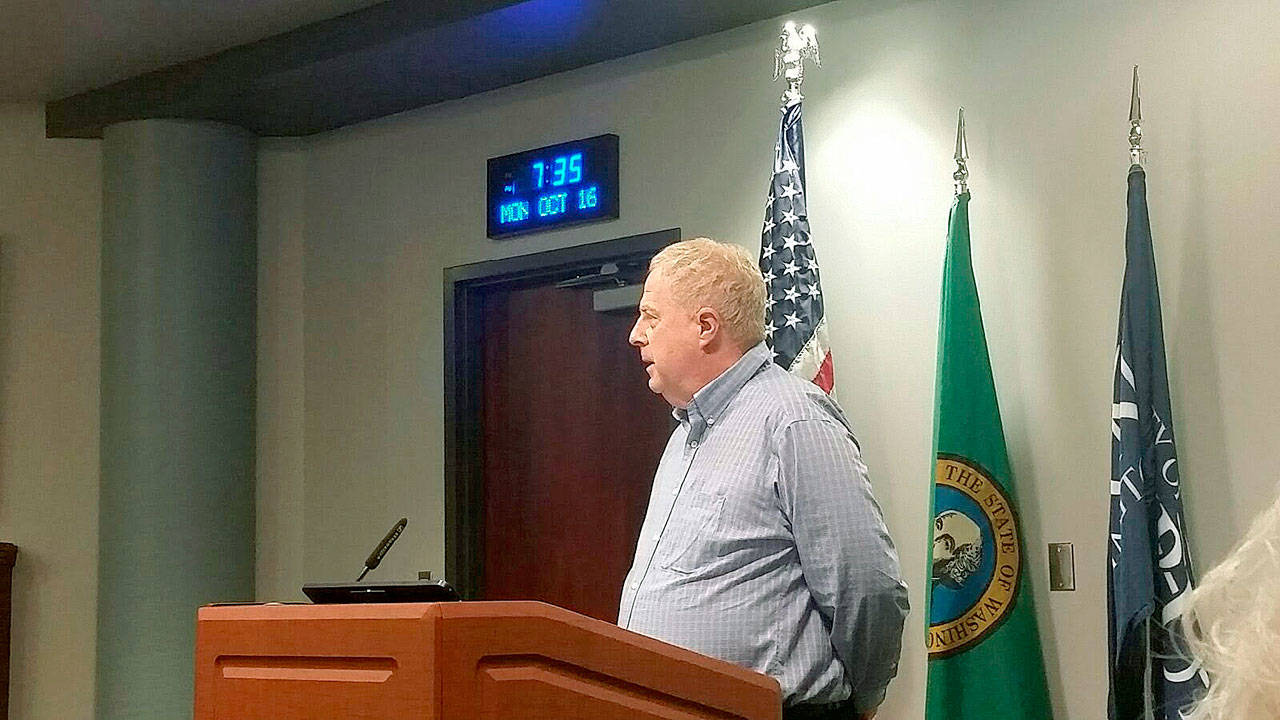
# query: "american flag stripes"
797 326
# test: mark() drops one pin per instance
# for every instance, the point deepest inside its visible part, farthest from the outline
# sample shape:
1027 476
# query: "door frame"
464 289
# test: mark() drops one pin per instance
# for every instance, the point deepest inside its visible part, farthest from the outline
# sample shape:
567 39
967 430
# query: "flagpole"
796 327
1135 122
1150 674
1135 159
982 635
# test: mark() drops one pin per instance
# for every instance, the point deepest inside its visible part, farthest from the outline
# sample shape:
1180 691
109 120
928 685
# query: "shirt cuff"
869 700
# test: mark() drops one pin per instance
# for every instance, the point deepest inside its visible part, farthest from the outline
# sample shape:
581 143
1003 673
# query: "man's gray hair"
722 276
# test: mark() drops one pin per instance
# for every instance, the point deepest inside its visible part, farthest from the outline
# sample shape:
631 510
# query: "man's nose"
636 337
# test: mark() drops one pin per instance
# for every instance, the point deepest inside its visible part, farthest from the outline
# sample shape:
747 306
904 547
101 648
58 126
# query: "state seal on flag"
977 559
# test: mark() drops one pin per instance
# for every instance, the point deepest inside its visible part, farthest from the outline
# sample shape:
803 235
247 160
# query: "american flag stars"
796 328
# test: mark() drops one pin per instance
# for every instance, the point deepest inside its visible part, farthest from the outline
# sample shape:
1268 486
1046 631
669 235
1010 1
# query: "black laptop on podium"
422 590
380 592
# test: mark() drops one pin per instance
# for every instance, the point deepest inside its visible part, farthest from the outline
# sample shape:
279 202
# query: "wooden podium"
8 555
456 661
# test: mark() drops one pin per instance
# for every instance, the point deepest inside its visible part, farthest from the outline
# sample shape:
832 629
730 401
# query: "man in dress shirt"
762 544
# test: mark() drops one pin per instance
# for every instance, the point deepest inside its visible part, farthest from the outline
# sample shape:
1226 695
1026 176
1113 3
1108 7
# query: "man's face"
668 337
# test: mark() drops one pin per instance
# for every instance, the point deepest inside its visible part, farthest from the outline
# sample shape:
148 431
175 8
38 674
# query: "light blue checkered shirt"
763 545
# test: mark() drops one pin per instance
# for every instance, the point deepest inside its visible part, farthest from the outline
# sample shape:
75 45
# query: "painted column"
176 518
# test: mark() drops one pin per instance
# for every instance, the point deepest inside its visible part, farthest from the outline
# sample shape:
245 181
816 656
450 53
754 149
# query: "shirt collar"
709 403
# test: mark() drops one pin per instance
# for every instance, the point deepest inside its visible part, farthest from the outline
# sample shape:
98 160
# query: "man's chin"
656 388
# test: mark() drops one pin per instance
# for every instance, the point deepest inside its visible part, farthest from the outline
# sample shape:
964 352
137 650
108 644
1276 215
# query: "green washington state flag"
984 648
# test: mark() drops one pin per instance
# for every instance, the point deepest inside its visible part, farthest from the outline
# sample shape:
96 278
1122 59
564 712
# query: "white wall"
359 224
49 253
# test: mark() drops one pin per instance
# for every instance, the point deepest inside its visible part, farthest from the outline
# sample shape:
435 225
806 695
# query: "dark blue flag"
797 325
1149 576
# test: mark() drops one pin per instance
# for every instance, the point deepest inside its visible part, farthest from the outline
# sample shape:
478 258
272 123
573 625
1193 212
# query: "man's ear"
708 327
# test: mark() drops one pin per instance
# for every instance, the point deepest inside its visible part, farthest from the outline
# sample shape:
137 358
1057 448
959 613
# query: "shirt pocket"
694 525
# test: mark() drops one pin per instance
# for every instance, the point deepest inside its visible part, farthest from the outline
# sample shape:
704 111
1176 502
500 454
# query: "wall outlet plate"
1062 566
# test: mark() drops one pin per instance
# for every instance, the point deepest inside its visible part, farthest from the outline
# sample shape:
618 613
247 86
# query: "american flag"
797 327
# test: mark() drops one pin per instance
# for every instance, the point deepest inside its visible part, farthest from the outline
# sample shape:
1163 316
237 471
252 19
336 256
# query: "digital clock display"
553 187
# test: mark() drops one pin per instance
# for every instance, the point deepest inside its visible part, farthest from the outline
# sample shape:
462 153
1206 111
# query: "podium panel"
278 662
456 661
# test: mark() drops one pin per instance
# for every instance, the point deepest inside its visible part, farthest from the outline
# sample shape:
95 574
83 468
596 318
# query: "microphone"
375 557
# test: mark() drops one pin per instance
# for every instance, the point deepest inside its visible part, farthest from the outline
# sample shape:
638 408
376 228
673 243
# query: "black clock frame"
600 154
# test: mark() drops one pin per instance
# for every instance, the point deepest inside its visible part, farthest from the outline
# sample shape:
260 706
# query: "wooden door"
571 437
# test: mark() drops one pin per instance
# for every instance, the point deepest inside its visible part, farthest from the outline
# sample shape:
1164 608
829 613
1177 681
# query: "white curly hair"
1233 626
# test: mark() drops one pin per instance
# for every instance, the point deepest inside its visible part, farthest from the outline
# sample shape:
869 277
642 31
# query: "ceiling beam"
396 56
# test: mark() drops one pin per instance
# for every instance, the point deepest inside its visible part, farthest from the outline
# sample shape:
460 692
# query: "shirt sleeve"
848 560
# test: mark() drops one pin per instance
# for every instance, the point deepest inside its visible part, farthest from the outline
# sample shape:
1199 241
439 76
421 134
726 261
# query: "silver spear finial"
1135 122
961 175
794 46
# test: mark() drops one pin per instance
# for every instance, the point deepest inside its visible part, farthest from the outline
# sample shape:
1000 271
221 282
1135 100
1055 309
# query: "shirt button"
635 585
693 443
711 421
675 491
